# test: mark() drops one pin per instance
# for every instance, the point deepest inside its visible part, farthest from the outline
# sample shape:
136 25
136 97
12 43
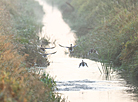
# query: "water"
84 84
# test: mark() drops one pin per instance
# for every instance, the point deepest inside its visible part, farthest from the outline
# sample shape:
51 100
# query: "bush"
17 82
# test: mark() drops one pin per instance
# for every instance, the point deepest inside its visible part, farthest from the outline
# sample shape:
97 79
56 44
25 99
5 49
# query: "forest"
109 26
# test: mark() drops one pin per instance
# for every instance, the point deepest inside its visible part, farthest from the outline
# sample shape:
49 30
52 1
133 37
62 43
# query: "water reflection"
84 84
81 85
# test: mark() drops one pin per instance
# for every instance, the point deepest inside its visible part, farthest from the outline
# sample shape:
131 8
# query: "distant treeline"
109 26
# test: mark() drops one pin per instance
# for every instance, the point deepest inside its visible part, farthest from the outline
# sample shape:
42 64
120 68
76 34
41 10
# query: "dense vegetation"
109 26
20 22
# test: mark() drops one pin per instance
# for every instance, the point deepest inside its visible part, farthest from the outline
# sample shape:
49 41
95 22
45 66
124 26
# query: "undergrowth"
18 40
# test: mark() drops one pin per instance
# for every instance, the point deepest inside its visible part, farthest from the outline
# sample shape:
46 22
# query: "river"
84 84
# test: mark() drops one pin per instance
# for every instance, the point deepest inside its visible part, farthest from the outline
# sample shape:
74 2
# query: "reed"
106 65
106 25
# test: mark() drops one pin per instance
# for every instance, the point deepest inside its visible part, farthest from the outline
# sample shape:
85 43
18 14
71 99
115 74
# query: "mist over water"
56 31
84 84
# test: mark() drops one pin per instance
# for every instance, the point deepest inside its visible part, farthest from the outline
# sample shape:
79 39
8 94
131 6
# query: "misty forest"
106 26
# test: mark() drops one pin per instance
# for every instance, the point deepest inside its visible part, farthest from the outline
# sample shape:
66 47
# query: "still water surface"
84 84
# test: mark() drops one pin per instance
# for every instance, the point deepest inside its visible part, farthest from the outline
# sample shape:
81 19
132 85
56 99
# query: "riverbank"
20 22
110 27
83 84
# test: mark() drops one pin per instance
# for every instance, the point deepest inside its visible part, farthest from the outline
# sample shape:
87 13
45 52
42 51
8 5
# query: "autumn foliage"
18 83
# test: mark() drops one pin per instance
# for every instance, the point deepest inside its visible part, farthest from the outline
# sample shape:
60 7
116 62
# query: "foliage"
110 26
25 24
17 82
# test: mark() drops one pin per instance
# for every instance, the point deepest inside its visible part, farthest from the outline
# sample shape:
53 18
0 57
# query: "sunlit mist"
84 84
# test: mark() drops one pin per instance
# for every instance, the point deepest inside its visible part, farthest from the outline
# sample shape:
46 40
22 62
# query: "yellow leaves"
8 55
6 85
16 83
25 100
